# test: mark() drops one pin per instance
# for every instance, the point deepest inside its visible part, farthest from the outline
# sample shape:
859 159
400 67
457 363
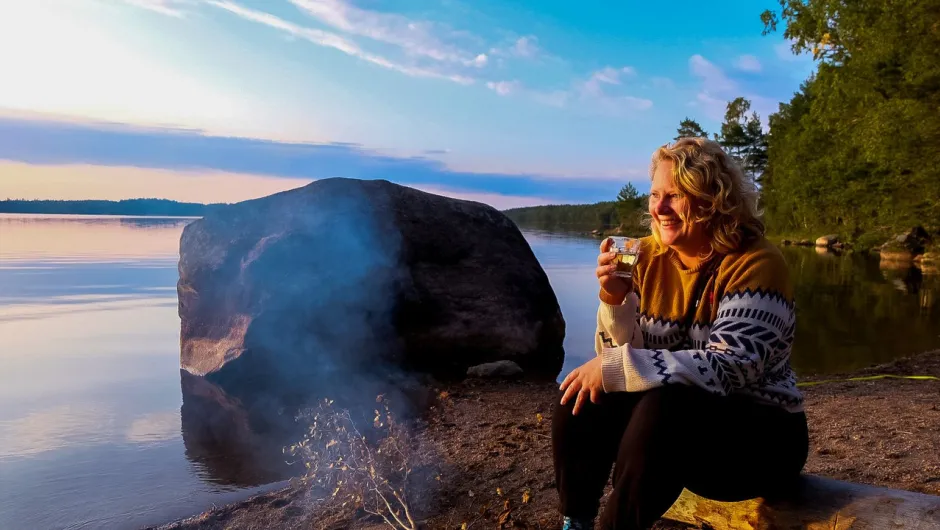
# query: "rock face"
345 280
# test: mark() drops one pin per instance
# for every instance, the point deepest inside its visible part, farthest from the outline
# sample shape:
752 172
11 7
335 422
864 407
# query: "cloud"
214 160
504 88
526 46
170 8
595 94
337 42
713 78
479 61
415 37
608 75
589 95
748 63
718 89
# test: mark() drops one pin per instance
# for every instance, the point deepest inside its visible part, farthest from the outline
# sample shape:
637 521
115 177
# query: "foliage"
857 148
356 471
689 128
743 138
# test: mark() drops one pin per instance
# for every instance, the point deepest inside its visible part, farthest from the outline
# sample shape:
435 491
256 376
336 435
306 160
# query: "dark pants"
666 439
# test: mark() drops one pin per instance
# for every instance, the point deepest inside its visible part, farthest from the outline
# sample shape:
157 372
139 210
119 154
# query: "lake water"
90 395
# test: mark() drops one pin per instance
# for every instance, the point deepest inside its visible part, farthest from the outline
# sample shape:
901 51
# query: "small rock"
786 242
498 369
827 240
805 243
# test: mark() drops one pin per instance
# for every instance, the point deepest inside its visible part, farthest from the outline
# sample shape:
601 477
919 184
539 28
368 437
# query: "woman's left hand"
585 381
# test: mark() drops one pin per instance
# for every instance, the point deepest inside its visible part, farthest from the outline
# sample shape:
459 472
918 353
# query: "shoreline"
488 435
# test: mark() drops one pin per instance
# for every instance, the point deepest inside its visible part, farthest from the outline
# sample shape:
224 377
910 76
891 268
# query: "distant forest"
149 207
625 215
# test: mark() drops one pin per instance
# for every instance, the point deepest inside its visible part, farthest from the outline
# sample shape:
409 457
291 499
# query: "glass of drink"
628 252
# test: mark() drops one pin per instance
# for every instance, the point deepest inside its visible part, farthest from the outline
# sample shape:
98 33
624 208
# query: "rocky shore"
485 452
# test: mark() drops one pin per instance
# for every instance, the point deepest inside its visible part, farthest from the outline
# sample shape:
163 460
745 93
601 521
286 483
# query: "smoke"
313 276
321 285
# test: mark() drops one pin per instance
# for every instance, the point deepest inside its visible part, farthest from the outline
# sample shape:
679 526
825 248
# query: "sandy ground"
485 447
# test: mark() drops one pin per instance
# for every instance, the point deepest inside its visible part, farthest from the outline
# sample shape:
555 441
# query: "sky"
508 102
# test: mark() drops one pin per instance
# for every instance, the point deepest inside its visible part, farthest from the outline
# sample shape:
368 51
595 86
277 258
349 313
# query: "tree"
689 128
858 148
629 205
743 137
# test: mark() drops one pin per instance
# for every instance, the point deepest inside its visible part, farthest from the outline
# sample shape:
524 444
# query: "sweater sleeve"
753 332
616 327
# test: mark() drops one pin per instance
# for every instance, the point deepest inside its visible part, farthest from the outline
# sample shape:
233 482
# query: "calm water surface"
90 397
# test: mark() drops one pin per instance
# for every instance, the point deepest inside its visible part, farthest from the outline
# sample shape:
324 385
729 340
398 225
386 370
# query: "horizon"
219 101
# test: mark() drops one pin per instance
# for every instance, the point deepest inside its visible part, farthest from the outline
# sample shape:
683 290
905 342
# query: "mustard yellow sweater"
740 339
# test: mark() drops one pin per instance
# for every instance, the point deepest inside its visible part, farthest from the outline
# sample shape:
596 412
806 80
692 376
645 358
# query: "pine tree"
689 128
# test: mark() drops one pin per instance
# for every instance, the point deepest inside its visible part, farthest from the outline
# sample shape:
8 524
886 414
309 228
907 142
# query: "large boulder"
344 281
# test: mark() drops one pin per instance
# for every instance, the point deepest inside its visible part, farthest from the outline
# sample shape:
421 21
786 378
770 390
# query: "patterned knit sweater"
741 335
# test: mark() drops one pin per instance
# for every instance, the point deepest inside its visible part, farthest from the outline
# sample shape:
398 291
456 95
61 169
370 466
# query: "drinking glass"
628 252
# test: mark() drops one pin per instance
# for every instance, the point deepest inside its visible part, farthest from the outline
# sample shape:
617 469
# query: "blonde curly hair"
719 195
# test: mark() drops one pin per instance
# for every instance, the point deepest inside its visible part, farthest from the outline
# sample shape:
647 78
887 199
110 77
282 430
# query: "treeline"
624 215
857 149
151 207
567 217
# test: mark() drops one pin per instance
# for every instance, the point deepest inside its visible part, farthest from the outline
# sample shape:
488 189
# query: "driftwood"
819 503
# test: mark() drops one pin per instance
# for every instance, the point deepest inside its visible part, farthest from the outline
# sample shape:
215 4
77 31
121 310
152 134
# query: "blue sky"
508 102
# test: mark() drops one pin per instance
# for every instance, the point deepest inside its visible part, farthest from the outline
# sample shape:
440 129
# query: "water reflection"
233 442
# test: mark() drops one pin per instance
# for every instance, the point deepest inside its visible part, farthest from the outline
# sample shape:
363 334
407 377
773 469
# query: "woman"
699 392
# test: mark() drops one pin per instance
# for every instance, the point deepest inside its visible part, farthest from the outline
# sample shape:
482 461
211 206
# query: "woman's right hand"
615 287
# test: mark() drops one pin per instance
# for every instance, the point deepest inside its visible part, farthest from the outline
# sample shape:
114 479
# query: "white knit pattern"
745 351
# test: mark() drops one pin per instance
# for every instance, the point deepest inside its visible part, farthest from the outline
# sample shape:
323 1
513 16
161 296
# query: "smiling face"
670 210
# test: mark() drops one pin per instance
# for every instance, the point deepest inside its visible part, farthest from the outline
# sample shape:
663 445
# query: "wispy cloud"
608 76
748 63
595 92
504 88
415 37
713 78
337 42
717 89
527 46
170 8
591 94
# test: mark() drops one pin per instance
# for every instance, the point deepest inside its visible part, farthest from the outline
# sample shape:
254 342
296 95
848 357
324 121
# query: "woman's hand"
585 381
615 287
